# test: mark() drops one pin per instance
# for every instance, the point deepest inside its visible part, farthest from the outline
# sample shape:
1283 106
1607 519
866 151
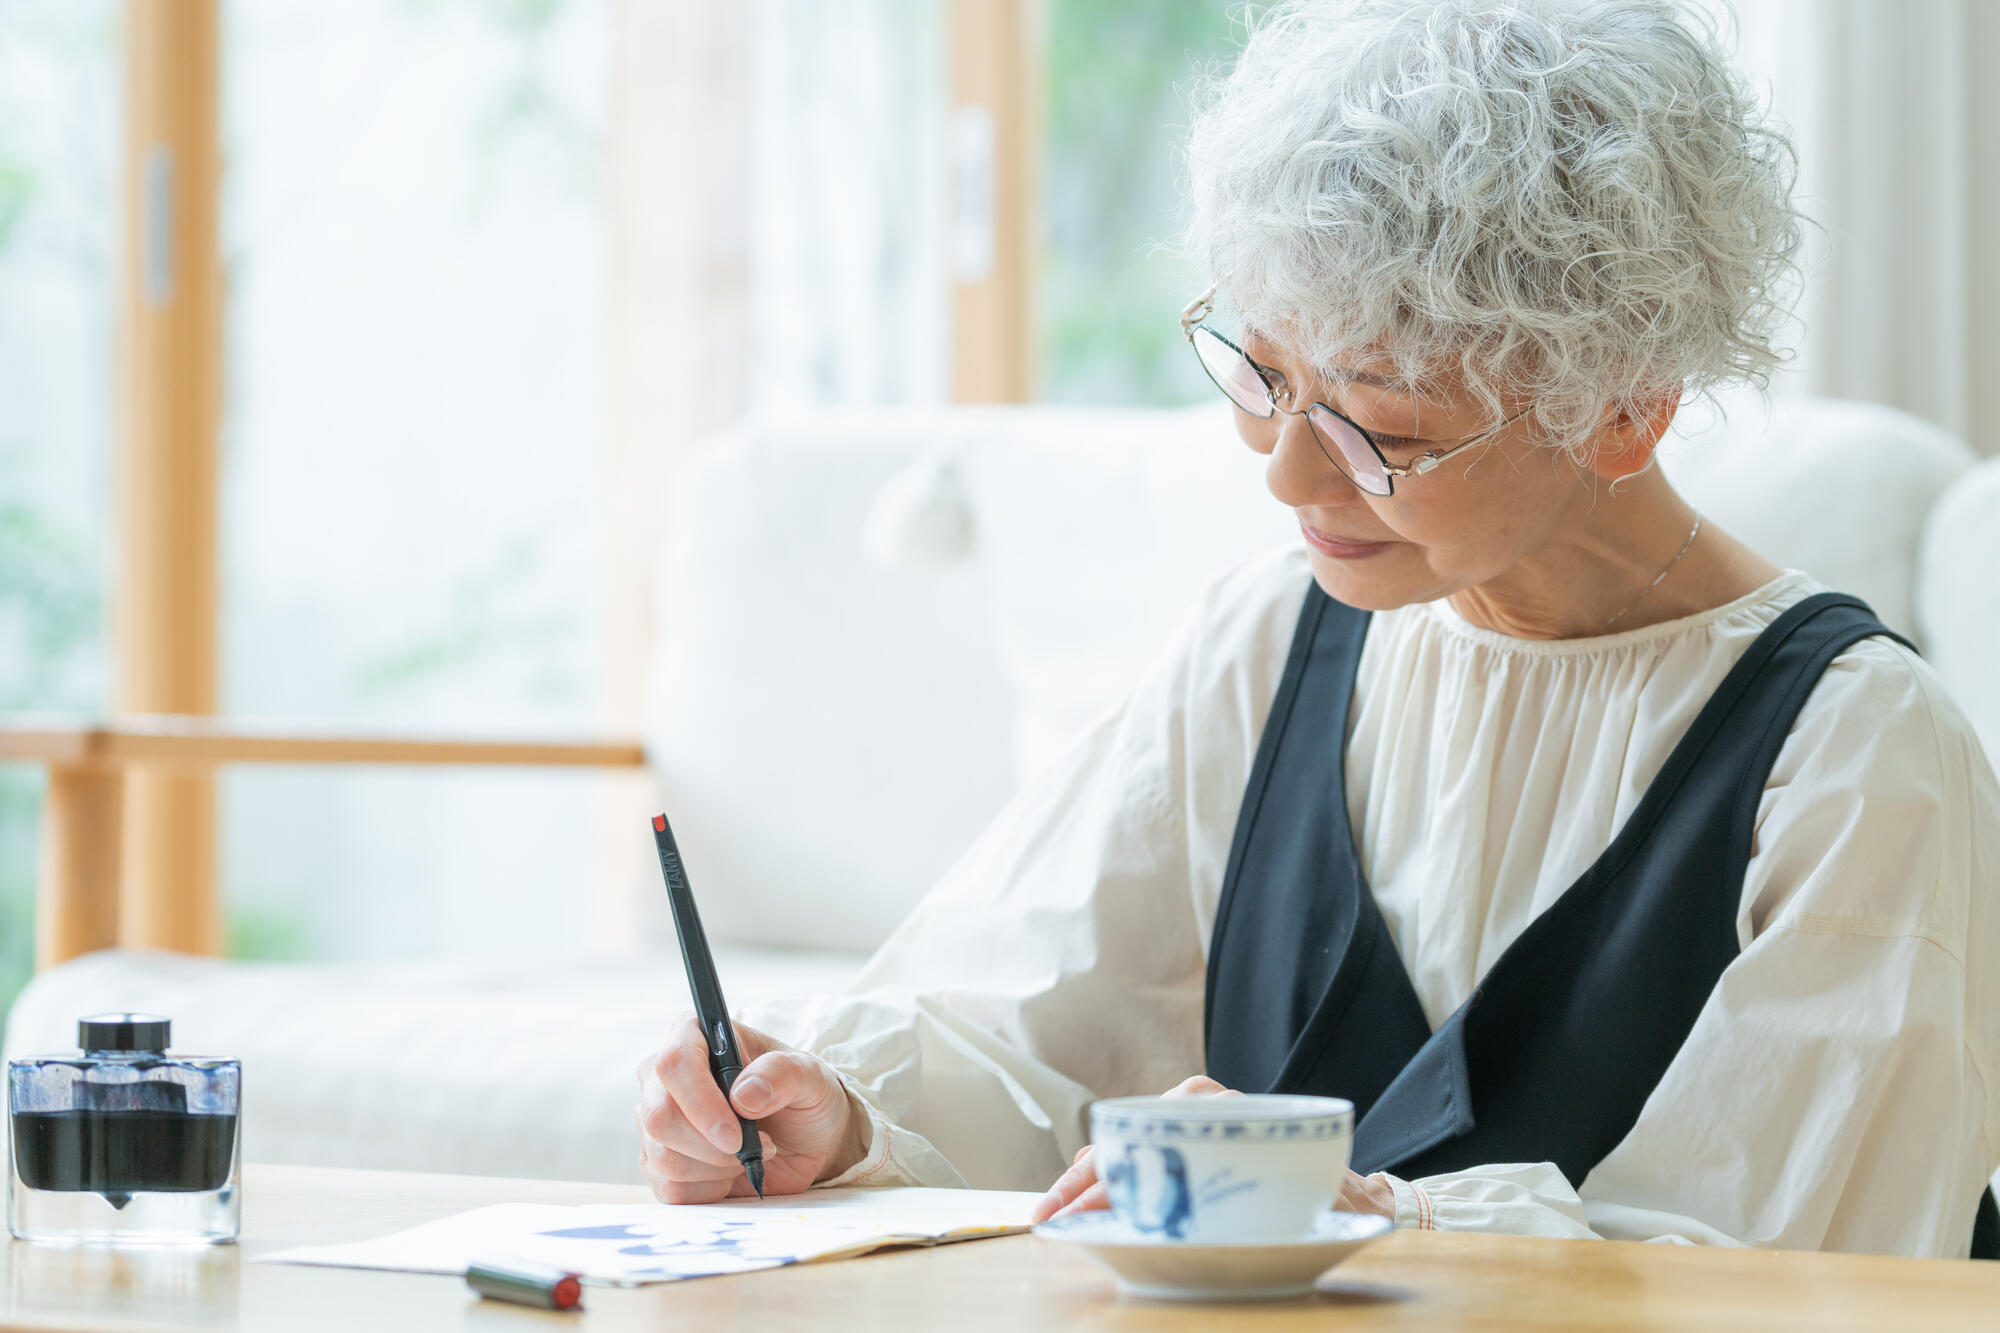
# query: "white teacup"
1259 1167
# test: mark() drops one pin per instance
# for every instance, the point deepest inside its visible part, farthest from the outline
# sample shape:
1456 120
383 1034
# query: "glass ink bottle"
123 1144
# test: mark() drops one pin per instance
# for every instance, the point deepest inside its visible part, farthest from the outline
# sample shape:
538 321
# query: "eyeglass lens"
1233 373
1349 450
1344 446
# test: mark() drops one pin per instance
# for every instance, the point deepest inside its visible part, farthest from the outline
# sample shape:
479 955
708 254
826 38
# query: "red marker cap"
526 1284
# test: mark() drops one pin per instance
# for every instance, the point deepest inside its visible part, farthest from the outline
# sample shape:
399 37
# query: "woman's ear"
1628 440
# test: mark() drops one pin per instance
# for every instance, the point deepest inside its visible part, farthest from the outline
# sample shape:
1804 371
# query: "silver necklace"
1657 577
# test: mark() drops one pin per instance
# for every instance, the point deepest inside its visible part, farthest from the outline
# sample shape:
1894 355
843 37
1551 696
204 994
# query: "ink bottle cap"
124 1144
129 1034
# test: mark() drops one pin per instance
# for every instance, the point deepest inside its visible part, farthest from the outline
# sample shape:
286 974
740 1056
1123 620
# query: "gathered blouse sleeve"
1062 957
1837 1091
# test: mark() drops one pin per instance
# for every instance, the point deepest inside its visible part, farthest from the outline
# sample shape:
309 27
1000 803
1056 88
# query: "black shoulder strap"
1790 655
1986 1228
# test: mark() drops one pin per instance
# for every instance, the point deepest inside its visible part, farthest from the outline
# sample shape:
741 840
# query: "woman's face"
1466 522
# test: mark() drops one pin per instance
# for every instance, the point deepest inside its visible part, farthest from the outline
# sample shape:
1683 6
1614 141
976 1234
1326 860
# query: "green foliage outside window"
1118 72
56 60
49 619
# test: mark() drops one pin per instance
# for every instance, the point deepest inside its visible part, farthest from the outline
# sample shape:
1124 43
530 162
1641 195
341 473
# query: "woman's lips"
1339 548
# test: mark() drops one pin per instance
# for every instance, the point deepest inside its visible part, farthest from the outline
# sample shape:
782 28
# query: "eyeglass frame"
1203 306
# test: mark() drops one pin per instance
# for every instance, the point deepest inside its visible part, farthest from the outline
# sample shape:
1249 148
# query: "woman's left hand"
1079 1190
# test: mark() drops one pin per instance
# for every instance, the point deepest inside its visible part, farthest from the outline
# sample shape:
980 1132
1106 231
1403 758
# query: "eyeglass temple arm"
1195 311
1423 463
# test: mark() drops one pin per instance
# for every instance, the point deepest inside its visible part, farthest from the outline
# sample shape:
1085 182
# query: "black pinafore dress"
1557 1048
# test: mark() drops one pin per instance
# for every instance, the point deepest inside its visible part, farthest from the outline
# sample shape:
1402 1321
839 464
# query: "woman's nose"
1300 474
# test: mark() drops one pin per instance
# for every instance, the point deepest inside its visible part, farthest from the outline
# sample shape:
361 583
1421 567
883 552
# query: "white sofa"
875 626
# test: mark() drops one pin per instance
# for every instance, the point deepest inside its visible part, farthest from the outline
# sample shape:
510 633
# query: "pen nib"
756 1172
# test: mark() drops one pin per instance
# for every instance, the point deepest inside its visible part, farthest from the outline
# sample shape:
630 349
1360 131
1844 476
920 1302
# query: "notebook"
630 1244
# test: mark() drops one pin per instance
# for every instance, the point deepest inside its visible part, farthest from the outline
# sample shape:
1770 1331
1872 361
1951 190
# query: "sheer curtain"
1896 115
414 421
848 285
775 216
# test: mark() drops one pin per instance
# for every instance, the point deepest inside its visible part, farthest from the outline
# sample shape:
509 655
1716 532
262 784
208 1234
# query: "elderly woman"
1628 884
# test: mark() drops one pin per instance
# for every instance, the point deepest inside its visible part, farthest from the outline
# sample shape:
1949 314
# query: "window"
422 212
59 71
1117 76
413 447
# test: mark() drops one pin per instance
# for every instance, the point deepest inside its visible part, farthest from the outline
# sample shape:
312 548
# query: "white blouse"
1833 1094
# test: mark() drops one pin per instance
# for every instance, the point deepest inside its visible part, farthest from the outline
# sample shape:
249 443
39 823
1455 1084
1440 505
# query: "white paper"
626 1244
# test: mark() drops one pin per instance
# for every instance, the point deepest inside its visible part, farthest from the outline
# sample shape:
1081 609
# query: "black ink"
121 1153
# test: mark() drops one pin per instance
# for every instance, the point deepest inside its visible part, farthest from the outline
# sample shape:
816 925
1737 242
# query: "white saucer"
1147 1264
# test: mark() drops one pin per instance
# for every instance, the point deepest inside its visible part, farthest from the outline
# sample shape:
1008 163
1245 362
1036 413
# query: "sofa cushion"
827 734
1958 604
1839 489
1094 529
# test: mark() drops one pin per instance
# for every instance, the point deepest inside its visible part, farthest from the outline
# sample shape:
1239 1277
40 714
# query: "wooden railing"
81 900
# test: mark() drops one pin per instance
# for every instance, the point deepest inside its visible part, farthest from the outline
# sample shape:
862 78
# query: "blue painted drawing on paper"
684 1256
597 1233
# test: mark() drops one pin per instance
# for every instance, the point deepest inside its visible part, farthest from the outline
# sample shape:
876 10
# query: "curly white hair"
1577 200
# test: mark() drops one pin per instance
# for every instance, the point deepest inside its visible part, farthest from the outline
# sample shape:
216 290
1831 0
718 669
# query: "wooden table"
1411 1280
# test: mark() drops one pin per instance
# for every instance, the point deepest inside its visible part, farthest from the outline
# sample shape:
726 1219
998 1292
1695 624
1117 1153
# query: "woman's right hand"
1078 1189
689 1134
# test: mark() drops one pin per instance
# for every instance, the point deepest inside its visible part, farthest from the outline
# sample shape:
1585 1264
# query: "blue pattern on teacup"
1154 1126
1149 1188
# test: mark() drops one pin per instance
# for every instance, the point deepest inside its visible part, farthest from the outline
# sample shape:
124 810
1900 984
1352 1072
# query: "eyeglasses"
1346 445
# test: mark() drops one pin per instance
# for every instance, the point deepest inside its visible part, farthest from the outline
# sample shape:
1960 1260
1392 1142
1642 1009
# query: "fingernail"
726 1135
752 1093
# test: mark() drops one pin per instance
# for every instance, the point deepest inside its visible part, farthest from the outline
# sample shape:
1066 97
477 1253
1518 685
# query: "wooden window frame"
995 136
169 378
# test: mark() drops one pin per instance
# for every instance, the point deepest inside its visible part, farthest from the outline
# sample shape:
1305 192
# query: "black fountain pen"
725 1058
